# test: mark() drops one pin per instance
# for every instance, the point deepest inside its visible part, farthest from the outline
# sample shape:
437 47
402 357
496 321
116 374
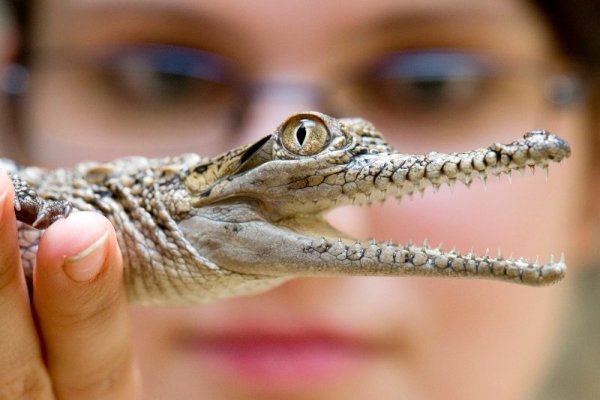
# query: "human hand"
73 341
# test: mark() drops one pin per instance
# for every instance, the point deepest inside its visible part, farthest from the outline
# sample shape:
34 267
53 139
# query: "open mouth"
305 244
264 219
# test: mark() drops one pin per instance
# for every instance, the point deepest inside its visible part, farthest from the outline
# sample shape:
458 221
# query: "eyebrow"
178 17
448 25
443 15
153 8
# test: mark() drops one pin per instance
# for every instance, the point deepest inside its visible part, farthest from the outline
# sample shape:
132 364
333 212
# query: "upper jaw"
288 188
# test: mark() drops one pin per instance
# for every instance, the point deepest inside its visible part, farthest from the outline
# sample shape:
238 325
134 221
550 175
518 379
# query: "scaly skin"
193 230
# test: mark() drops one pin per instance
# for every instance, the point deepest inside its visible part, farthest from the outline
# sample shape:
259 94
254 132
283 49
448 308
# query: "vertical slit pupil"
301 134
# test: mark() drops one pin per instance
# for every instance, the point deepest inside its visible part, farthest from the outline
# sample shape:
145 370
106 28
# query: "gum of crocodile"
194 229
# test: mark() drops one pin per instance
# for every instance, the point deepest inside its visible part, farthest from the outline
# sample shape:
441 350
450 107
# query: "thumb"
82 310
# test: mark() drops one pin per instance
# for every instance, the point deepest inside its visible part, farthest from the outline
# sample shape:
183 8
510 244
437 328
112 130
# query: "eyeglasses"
424 92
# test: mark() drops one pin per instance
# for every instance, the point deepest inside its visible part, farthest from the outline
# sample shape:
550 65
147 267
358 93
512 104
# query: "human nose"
269 108
272 103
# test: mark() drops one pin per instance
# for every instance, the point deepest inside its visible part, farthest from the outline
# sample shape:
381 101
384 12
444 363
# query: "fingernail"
86 265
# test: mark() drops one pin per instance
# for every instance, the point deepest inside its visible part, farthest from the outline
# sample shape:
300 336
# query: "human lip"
284 359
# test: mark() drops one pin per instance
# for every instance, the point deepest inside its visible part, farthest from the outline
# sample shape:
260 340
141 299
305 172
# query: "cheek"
485 337
489 340
83 124
164 367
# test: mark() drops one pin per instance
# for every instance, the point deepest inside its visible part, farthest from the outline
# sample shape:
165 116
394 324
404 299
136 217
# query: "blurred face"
112 78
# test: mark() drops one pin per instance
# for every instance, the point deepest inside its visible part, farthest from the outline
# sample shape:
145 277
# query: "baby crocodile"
195 229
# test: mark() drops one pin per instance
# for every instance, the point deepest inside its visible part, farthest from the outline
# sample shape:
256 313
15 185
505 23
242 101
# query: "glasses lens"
431 93
139 97
164 76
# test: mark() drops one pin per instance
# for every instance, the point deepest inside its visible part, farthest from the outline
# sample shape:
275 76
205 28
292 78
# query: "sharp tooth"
499 255
521 171
471 254
562 258
426 243
537 260
546 172
484 180
452 184
468 180
487 252
509 176
532 168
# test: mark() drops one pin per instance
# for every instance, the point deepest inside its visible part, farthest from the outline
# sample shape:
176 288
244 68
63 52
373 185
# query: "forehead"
295 24
322 10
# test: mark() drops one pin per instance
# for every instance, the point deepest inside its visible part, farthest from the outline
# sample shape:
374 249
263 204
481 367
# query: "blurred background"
576 372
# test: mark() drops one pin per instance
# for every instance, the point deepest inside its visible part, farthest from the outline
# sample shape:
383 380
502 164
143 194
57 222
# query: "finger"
82 310
22 371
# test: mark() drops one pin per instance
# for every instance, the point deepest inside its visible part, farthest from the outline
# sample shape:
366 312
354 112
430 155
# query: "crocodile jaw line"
298 243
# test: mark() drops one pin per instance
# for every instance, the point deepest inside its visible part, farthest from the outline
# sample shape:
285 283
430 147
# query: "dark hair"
576 27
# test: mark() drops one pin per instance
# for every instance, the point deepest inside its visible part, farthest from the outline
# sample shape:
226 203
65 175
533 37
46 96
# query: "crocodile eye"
305 136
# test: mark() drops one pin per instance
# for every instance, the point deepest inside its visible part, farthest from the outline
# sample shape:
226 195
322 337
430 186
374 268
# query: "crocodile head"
258 209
